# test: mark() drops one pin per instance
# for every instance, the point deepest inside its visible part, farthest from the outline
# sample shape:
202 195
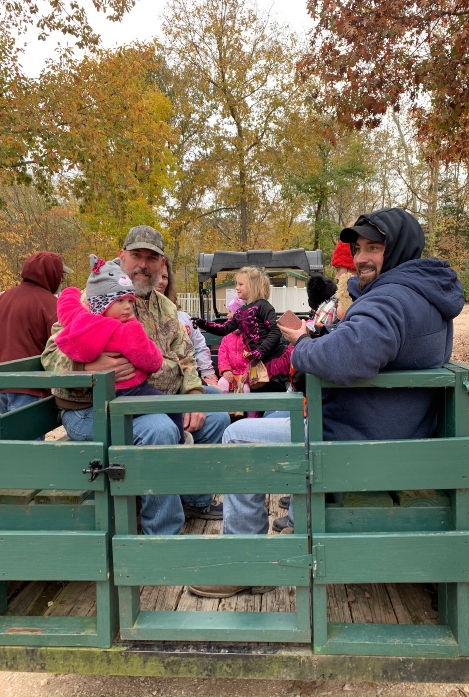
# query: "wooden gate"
394 545
42 542
253 560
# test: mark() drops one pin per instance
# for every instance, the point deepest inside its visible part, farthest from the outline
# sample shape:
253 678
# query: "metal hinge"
116 473
319 561
316 465
305 561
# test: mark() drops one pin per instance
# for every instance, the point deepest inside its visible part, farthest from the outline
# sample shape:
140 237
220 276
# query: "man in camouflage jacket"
141 259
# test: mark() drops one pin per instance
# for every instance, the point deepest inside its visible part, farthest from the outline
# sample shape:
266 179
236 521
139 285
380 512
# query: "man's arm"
53 359
361 346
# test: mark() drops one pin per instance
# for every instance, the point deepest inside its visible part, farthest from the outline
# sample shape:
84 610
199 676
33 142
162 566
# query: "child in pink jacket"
233 367
109 325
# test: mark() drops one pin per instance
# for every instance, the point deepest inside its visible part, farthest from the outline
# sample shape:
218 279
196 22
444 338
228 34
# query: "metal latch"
116 473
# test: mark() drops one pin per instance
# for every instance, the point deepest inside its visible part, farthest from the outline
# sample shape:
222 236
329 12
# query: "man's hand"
122 368
192 422
292 335
210 379
228 375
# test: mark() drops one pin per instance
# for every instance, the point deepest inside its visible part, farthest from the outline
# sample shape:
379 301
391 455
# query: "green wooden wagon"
376 524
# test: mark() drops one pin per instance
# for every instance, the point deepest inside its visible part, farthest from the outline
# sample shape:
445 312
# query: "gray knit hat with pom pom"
106 284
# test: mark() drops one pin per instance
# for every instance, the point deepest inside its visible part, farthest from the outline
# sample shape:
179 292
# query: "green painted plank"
437 377
414 498
29 422
45 380
340 519
391 640
389 466
49 465
364 499
104 390
255 560
226 468
392 557
48 631
32 363
216 626
58 497
19 497
48 517
53 556
285 401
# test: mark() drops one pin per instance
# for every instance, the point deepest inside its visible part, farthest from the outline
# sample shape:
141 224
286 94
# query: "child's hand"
228 375
246 354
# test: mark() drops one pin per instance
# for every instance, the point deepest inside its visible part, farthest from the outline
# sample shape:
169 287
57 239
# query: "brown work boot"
227 591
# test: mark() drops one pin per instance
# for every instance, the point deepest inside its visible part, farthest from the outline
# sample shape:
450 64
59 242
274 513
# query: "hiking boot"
287 531
212 512
284 502
227 591
281 524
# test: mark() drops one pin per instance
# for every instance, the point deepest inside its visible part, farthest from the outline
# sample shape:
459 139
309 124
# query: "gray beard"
143 287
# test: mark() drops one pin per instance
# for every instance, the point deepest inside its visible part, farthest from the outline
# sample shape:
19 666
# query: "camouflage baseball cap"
144 237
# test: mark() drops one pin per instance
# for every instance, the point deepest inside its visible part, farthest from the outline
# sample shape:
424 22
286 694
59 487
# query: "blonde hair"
257 283
342 292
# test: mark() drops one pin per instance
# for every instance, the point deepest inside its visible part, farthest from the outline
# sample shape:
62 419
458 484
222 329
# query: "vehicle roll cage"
209 265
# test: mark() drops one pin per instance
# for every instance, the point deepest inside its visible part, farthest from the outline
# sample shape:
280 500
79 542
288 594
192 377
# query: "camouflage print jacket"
158 315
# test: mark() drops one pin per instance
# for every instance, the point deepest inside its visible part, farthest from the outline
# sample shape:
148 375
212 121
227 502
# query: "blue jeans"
245 514
159 514
9 401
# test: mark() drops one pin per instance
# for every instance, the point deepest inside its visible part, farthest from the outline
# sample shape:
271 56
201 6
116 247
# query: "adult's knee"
155 429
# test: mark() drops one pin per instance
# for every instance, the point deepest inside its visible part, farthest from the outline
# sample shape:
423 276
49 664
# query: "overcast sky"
142 23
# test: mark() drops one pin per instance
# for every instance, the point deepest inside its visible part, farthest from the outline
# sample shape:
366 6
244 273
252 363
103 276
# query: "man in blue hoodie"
401 319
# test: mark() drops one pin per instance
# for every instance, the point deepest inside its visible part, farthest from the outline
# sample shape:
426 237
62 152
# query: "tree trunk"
433 205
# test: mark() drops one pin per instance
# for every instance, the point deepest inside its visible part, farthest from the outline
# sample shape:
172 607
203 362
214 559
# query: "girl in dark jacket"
257 322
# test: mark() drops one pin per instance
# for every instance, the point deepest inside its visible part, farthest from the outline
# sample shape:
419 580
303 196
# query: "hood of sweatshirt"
404 235
45 269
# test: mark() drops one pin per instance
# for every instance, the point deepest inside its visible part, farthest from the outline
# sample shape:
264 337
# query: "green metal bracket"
305 561
466 384
316 465
319 561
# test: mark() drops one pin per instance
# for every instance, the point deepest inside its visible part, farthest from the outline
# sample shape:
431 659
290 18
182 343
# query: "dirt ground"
46 685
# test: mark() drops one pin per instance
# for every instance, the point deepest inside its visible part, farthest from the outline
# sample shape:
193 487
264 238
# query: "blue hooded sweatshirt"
400 321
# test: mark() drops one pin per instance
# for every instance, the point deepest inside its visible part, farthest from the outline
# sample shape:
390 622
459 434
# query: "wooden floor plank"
418 602
338 609
34 598
78 598
400 608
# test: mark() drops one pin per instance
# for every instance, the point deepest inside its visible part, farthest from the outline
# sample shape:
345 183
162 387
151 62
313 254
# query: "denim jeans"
245 514
159 514
9 401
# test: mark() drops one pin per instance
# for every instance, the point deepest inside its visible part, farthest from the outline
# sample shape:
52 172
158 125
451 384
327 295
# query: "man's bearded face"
143 268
